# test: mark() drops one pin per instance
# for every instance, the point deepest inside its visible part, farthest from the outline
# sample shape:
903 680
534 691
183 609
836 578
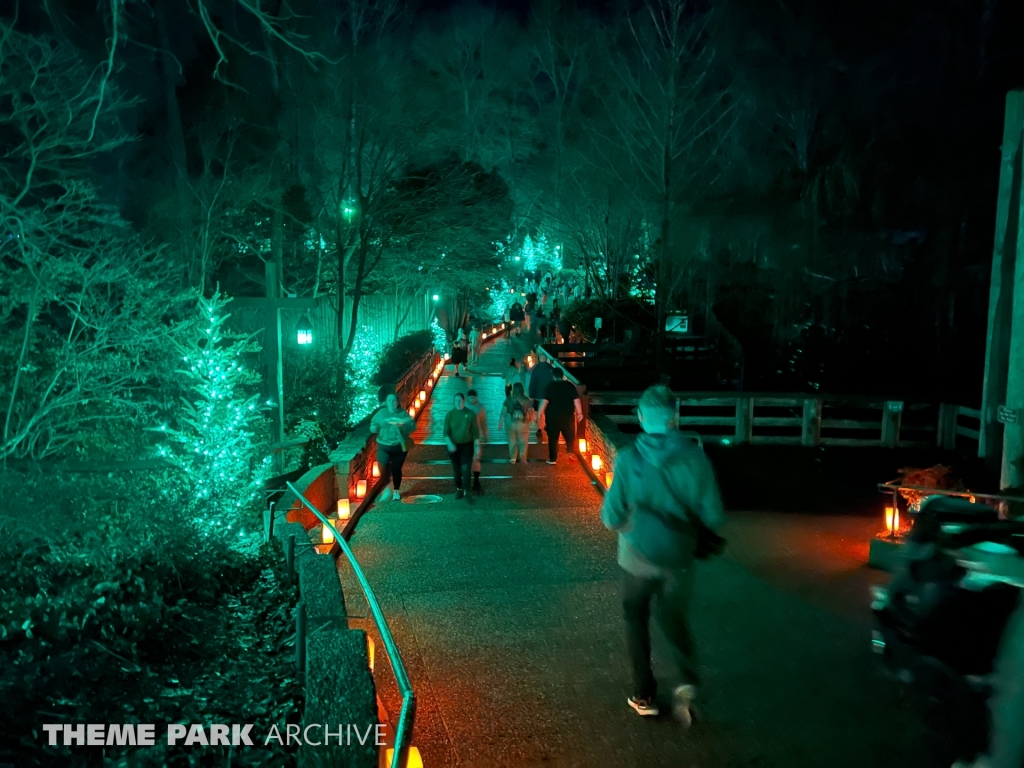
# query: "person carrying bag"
665 505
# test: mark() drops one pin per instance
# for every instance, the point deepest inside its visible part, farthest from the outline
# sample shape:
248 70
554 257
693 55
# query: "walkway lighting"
608 477
360 489
344 510
370 650
414 760
596 463
435 297
412 412
423 395
327 535
375 472
892 521
304 331
583 445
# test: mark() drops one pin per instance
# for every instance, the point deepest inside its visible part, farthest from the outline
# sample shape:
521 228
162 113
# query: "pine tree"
218 442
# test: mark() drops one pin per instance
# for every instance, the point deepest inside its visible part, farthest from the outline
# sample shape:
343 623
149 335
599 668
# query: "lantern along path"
507 616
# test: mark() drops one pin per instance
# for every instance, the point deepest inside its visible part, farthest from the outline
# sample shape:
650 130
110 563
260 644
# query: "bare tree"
84 304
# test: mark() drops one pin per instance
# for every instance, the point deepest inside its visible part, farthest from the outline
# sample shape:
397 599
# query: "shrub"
397 357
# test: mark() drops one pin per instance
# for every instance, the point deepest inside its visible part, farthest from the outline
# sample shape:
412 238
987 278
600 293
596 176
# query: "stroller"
937 635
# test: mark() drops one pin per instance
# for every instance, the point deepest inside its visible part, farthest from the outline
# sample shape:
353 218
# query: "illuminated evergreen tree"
218 442
363 364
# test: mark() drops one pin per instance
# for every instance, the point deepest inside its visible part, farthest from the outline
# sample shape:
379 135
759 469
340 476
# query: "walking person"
516 314
662 502
462 435
393 428
459 354
540 376
513 375
516 415
475 342
477 407
559 412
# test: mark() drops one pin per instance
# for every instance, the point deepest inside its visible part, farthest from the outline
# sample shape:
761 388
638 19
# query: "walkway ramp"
506 611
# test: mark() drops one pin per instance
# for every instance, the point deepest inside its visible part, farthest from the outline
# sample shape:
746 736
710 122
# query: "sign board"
895 406
677 324
597 323
1006 415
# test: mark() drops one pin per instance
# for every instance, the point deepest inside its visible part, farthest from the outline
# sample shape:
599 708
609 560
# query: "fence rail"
809 420
407 715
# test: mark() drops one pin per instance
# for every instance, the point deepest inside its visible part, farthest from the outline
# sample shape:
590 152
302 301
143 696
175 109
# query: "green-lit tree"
218 440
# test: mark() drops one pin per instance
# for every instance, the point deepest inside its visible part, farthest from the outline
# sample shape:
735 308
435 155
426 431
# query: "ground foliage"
128 619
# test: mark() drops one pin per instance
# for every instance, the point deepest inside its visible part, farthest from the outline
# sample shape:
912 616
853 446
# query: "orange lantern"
360 489
413 761
892 520
375 472
423 395
412 412
608 477
370 650
583 445
344 510
327 535
596 463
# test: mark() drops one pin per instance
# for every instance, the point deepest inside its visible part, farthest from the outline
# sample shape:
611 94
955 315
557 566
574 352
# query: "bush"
400 355
128 620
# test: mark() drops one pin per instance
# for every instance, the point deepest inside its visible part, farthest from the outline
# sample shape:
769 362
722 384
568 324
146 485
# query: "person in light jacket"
392 426
661 482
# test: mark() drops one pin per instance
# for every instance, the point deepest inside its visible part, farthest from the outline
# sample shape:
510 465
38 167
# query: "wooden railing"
809 420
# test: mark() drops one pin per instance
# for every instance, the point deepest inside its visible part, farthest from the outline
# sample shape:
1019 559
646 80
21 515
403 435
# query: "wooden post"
891 419
945 432
744 419
810 433
300 638
1003 384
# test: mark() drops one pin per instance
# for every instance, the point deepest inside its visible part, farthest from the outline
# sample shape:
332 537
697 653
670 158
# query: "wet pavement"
505 609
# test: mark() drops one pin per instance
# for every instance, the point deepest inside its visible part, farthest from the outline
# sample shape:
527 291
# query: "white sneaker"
385 495
682 700
397 496
643 707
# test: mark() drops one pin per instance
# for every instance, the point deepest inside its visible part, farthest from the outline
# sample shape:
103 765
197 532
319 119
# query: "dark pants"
462 465
560 425
391 458
673 593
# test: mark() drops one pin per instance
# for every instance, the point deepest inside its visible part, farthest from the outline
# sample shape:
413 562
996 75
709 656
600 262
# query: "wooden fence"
809 420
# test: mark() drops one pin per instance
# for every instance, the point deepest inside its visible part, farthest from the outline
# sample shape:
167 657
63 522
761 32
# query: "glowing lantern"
360 489
595 463
304 332
327 535
494 330
608 477
414 761
583 445
423 395
892 520
375 472
370 650
412 412
343 510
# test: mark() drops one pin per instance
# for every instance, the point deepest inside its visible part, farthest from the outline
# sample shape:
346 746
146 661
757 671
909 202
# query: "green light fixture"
304 332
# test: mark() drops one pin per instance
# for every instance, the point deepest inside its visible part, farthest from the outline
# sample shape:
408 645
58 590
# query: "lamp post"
272 304
304 332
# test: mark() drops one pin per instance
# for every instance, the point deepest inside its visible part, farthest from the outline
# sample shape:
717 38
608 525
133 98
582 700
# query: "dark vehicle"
939 634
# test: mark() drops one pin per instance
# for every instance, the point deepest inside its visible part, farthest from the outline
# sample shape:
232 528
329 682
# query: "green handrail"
407 715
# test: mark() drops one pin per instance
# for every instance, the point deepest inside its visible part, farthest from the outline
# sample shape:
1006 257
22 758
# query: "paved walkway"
506 613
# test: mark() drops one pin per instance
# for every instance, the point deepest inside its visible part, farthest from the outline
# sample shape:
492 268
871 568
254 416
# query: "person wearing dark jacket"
540 376
462 435
659 483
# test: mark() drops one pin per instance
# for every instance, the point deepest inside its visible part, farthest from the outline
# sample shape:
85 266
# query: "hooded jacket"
664 474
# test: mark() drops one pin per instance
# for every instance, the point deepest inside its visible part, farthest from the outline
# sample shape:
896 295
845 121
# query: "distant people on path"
485 436
516 314
516 415
462 435
664 489
540 376
513 374
393 427
540 322
476 341
559 411
459 356
528 310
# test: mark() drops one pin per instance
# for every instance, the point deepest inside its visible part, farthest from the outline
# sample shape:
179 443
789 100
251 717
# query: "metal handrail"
552 360
407 715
